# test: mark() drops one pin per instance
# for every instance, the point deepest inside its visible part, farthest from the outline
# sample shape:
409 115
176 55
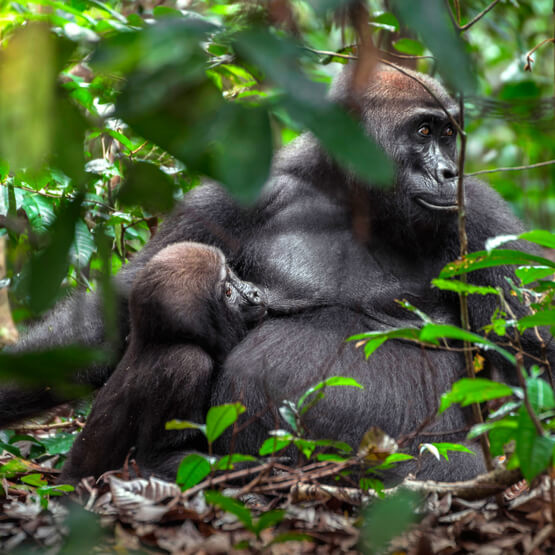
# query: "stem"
513 168
465 320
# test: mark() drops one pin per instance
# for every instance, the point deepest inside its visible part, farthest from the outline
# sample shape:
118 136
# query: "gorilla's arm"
207 214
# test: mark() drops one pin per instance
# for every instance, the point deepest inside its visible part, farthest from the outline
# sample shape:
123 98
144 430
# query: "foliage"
111 111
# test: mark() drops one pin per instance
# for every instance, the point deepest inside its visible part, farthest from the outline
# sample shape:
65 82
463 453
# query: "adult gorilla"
347 250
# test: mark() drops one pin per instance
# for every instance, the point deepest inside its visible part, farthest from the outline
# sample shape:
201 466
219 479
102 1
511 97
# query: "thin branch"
529 59
513 168
467 26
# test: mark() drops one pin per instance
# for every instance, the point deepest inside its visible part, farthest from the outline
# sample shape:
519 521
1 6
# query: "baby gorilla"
188 309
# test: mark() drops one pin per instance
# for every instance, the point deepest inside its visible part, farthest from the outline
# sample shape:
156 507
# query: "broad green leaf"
220 418
541 237
374 339
529 274
4 169
273 445
39 211
460 287
231 506
541 318
34 480
386 20
147 185
333 381
60 444
409 46
386 519
477 390
429 18
49 267
28 74
498 257
479 429
432 332
534 452
83 246
540 394
306 102
192 470
306 446
52 367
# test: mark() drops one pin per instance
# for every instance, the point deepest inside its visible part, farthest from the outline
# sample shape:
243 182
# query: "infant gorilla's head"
188 293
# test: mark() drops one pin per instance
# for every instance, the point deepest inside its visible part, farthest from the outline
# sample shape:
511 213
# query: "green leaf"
148 186
460 287
429 18
541 318
231 506
497 257
386 519
306 102
333 381
529 274
60 444
444 448
227 462
39 211
534 452
432 332
83 246
52 367
34 480
269 519
192 470
185 425
540 394
372 484
387 21
409 46
273 445
477 390
306 446
290 537
220 418
541 237
288 412
49 267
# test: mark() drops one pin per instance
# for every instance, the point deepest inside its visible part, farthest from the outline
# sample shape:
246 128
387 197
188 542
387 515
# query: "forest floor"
271 508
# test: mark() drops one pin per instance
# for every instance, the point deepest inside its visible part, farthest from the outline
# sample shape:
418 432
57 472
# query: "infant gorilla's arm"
188 309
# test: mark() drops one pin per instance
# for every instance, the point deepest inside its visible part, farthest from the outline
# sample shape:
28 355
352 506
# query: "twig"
463 300
56 426
529 59
527 404
512 168
467 26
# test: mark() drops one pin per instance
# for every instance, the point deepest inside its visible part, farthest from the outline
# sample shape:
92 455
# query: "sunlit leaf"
467 391
499 257
220 417
534 452
192 470
461 287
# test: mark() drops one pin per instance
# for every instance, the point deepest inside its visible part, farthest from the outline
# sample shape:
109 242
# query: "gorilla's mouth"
438 205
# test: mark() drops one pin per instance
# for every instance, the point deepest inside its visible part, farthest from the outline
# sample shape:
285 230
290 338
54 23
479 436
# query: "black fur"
187 311
320 235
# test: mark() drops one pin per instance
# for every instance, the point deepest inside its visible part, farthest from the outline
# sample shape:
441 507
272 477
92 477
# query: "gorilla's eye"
448 131
424 130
